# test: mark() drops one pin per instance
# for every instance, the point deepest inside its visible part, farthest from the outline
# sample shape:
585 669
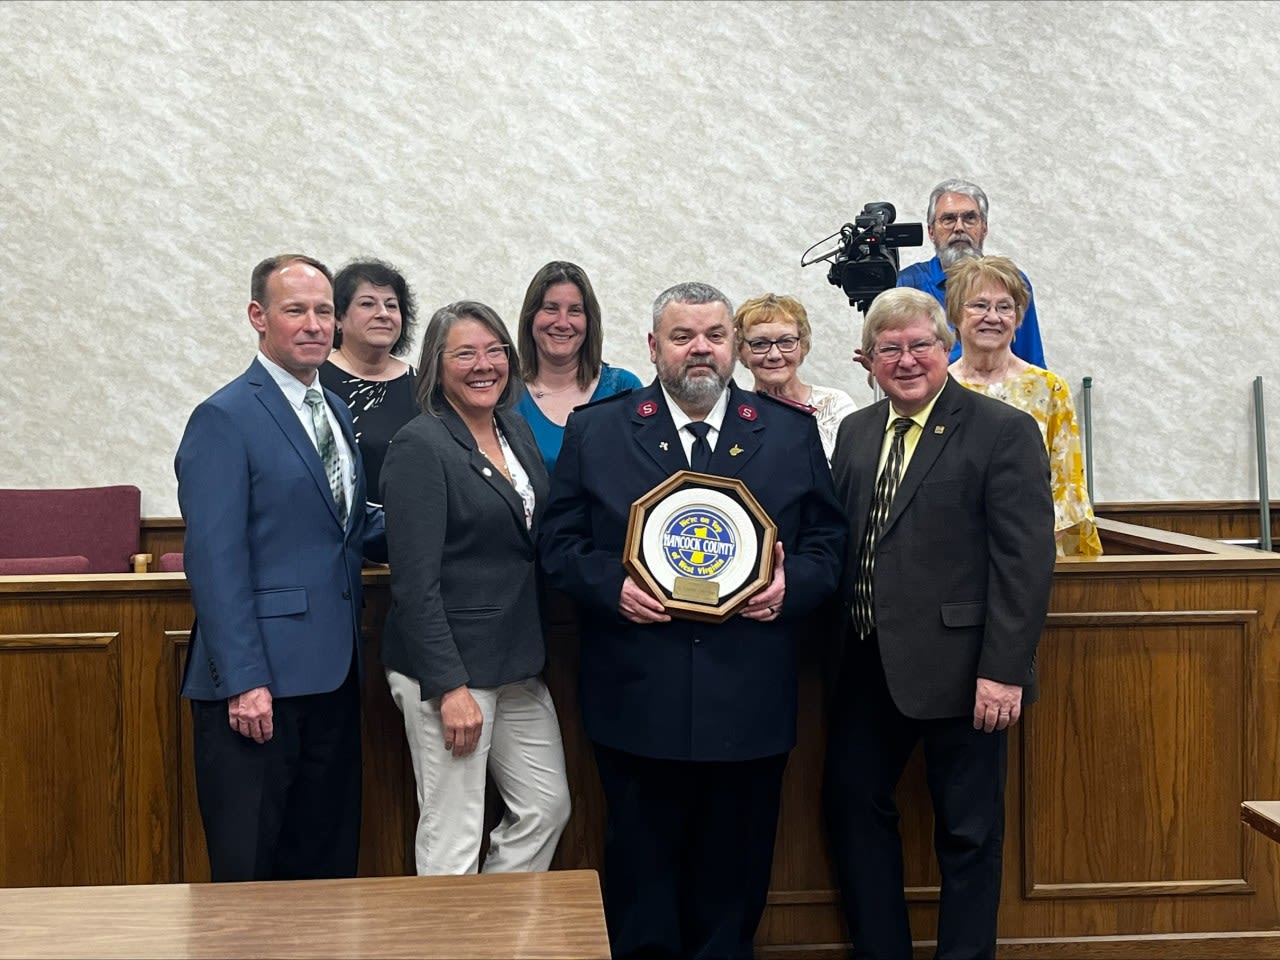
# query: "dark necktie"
328 450
700 456
886 486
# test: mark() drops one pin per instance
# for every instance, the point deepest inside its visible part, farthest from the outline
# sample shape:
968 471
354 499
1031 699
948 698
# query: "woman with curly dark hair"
375 316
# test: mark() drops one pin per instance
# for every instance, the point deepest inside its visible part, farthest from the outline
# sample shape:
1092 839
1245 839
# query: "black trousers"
287 809
869 743
688 853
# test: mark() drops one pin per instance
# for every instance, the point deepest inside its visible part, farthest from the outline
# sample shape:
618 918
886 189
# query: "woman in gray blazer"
462 487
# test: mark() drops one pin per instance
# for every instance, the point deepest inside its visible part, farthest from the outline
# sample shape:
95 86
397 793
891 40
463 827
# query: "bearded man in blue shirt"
957 227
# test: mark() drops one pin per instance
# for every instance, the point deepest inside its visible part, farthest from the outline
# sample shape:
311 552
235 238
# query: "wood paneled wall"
1159 714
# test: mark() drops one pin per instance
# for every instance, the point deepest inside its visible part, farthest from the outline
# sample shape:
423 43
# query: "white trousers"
519 747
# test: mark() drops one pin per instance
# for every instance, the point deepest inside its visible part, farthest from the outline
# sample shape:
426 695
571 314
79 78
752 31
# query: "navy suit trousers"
287 809
688 853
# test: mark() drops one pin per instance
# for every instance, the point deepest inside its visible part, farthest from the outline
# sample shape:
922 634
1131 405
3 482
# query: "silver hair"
962 187
688 292
431 360
899 307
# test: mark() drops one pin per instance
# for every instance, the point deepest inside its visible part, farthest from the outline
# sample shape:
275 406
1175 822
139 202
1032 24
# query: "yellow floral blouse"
1046 397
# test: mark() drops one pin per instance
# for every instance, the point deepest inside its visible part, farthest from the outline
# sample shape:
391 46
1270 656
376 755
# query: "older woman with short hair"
773 339
561 338
986 300
463 486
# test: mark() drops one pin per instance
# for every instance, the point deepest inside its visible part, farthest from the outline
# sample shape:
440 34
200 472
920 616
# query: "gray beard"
953 254
700 393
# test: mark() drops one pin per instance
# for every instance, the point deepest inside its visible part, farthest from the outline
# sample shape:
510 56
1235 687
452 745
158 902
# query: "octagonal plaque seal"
701 544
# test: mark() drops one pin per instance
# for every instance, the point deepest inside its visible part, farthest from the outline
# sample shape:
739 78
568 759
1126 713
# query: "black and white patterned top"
379 408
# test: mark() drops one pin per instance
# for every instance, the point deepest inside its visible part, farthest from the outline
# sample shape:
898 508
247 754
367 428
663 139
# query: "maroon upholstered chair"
35 566
100 524
170 563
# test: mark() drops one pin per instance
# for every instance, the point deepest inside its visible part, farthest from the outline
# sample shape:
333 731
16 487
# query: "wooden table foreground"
532 915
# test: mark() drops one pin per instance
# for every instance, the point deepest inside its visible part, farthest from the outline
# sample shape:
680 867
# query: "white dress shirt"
714 419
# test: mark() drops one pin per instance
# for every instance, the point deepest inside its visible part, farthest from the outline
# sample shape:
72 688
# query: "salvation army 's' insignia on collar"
735 450
647 409
939 429
747 412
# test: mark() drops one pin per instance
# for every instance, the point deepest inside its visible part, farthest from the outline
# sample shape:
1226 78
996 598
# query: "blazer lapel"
653 430
938 430
864 457
489 474
741 434
271 397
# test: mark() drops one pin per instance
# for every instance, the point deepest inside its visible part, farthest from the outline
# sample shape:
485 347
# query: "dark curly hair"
380 274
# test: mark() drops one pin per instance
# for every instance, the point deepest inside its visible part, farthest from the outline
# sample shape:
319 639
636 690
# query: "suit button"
697 639
346 594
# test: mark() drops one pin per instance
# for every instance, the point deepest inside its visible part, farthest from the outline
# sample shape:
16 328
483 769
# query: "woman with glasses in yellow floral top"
986 299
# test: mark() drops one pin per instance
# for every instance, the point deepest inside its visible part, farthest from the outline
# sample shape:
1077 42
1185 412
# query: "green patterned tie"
864 619
328 451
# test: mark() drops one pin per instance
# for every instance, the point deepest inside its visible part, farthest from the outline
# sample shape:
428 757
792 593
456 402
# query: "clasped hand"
639 606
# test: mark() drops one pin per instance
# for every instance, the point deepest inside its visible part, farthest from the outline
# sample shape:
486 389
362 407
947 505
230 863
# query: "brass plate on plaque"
699 591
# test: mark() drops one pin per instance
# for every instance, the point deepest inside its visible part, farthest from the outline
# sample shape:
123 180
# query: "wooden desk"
1159 705
1263 816
555 914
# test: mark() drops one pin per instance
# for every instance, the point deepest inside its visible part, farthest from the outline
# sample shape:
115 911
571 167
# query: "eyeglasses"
1004 308
467 356
892 352
970 218
763 345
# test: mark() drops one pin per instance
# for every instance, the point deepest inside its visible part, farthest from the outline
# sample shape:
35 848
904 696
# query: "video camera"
866 261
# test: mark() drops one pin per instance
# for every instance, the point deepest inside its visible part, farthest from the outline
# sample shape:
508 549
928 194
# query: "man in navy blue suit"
691 722
273 496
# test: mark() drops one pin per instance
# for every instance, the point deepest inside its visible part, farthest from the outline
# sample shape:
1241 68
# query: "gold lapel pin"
735 450
663 445
939 429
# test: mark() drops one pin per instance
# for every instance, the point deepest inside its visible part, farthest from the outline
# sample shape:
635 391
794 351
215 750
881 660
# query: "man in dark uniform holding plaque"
691 721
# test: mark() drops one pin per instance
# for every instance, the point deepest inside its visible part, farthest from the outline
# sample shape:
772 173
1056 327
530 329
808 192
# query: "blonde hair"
771 308
899 307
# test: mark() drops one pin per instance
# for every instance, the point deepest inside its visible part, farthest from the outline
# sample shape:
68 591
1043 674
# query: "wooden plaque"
701 544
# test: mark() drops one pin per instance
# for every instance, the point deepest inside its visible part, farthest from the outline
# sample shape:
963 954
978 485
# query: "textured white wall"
151 153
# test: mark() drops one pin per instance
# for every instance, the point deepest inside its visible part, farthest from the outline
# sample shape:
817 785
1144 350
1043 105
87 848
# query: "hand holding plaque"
701 544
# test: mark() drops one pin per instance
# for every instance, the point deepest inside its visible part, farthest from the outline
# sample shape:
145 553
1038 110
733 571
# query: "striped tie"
863 601
328 450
